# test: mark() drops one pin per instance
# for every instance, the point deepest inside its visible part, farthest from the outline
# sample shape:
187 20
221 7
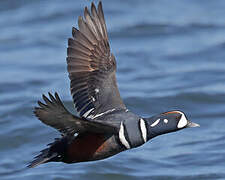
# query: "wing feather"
54 114
91 66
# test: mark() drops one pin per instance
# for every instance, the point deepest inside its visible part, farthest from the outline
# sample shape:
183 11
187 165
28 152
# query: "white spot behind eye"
165 121
183 120
155 123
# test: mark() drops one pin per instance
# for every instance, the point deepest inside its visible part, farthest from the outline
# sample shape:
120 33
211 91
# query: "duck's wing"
92 67
54 114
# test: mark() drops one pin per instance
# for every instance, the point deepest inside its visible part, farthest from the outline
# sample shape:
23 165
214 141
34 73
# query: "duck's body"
88 147
105 126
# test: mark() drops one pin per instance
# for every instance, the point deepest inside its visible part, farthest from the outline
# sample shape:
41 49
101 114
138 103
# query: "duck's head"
168 122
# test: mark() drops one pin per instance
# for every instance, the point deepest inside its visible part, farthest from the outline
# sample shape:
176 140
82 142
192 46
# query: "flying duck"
105 126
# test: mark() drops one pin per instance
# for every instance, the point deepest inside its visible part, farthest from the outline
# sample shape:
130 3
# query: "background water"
170 55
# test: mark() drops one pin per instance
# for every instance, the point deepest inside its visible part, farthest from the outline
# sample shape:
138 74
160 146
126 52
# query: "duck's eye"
165 121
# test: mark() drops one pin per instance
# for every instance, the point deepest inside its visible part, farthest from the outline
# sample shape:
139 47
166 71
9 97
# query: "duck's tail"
56 152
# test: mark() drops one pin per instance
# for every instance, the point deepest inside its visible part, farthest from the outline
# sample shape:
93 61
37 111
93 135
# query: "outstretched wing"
54 114
92 66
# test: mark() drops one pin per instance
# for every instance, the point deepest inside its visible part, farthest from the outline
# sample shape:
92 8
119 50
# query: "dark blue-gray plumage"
105 126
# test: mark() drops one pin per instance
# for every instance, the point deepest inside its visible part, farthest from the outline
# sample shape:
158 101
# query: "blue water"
170 55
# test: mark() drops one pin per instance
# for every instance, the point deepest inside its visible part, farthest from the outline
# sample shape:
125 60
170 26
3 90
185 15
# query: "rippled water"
170 55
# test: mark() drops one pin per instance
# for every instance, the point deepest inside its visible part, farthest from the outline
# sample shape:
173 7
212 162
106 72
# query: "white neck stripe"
143 129
122 137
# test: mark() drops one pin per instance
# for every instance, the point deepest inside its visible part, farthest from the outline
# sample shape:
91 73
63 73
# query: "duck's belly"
89 147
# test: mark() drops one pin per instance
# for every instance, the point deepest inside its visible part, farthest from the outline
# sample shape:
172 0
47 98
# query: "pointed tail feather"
56 152
41 159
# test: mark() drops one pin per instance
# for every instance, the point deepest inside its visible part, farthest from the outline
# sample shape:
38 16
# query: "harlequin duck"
104 127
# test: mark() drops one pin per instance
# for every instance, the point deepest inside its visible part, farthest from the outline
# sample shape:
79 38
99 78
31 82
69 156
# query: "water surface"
170 55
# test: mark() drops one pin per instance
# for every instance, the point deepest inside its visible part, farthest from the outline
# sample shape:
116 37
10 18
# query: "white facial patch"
165 121
143 129
183 120
155 123
122 137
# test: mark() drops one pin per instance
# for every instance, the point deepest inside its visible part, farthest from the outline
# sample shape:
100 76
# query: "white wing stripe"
88 112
